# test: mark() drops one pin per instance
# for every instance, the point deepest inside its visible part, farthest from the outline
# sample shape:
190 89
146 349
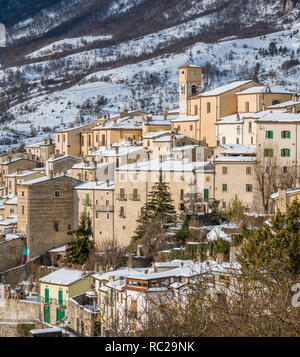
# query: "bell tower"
189 85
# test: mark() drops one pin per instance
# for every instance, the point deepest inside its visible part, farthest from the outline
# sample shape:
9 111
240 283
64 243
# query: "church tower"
189 85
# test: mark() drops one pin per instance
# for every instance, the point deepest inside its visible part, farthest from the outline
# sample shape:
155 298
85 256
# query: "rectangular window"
285 134
246 107
284 169
23 210
206 193
224 187
191 127
268 152
208 108
248 188
285 152
223 140
56 194
248 170
224 170
269 134
55 227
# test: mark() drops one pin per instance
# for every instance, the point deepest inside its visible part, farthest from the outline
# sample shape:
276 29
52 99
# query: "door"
46 295
47 314
60 314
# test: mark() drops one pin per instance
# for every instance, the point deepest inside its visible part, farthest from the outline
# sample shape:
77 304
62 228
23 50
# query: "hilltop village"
235 144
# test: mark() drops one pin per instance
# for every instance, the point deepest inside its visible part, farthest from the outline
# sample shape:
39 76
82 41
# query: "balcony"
86 202
120 197
51 301
103 208
134 197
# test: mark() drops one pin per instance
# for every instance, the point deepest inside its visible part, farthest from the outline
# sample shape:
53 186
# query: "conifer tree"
159 208
78 251
275 247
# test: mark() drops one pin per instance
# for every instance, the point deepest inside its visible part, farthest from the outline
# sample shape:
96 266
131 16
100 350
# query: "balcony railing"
51 301
103 208
134 197
120 197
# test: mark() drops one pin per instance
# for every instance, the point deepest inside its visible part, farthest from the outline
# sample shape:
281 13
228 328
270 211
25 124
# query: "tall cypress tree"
159 208
78 251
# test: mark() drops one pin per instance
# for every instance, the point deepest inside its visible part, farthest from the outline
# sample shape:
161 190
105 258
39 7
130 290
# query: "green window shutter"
47 314
282 153
87 198
289 134
271 134
265 152
206 193
282 135
267 133
100 284
84 210
288 152
46 295
60 297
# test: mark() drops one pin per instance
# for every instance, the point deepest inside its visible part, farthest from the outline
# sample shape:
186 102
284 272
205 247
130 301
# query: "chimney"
107 182
237 117
83 270
234 252
219 258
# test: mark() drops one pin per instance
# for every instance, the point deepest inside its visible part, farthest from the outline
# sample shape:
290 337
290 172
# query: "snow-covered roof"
154 134
225 88
288 192
289 103
168 138
265 89
279 116
171 164
91 185
122 123
235 158
238 149
59 249
42 179
237 118
12 201
185 118
64 277
216 233
63 157
184 148
22 174
120 273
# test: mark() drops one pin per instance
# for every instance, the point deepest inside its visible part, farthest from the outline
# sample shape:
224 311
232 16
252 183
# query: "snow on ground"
127 86
66 44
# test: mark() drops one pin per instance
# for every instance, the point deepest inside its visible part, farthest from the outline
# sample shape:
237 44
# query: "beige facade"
45 212
284 198
68 141
277 138
12 165
61 163
256 99
41 151
97 200
236 177
134 182
209 106
16 178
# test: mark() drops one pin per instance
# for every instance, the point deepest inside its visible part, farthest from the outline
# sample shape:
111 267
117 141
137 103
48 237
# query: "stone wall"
11 253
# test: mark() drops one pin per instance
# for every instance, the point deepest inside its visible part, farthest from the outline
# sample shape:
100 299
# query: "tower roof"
189 65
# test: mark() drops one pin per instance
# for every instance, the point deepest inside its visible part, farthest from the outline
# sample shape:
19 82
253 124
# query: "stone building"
57 288
11 165
135 181
46 212
61 163
14 179
41 151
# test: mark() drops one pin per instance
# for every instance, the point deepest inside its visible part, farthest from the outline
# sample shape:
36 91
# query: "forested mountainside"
66 58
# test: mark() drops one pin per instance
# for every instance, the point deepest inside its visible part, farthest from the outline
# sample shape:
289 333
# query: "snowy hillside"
74 77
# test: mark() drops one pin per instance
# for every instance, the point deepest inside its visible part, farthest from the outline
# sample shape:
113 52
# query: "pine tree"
78 251
159 208
184 232
275 247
